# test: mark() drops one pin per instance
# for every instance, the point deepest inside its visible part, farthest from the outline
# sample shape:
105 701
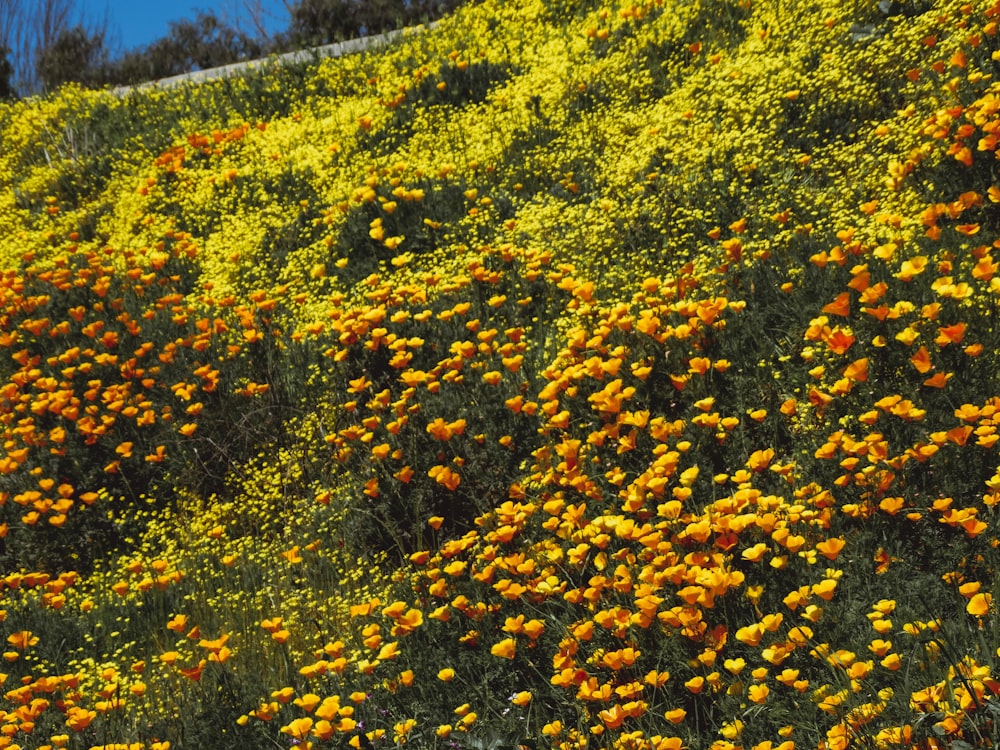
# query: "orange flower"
857 370
534 628
967 412
409 621
760 459
699 366
883 560
675 715
443 475
169 657
840 306
952 334
78 718
194 673
214 645
522 698
938 380
505 649
979 605
298 728
440 429
892 662
22 640
612 717
615 660
912 267
839 340
750 635
158 455
178 623
388 652
921 360
695 684
830 548
825 588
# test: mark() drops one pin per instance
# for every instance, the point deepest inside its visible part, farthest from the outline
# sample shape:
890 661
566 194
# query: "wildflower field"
568 375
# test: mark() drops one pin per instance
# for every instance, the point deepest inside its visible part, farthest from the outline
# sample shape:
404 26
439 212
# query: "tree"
318 22
206 42
7 90
249 17
26 28
74 55
209 43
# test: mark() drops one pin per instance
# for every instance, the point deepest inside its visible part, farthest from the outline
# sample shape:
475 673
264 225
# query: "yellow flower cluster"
565 375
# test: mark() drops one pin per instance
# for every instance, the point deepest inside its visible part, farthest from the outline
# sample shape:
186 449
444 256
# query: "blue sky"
136 23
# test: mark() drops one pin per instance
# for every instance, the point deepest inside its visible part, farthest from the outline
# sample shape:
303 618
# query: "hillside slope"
566 375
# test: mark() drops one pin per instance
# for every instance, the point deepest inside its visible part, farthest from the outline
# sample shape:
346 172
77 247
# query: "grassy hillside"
569 375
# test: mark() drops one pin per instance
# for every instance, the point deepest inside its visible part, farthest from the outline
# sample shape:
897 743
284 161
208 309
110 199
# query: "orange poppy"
505 649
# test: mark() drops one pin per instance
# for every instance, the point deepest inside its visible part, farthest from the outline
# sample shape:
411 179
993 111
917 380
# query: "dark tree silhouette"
75 55
27 28
7 90
199 44
317 22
